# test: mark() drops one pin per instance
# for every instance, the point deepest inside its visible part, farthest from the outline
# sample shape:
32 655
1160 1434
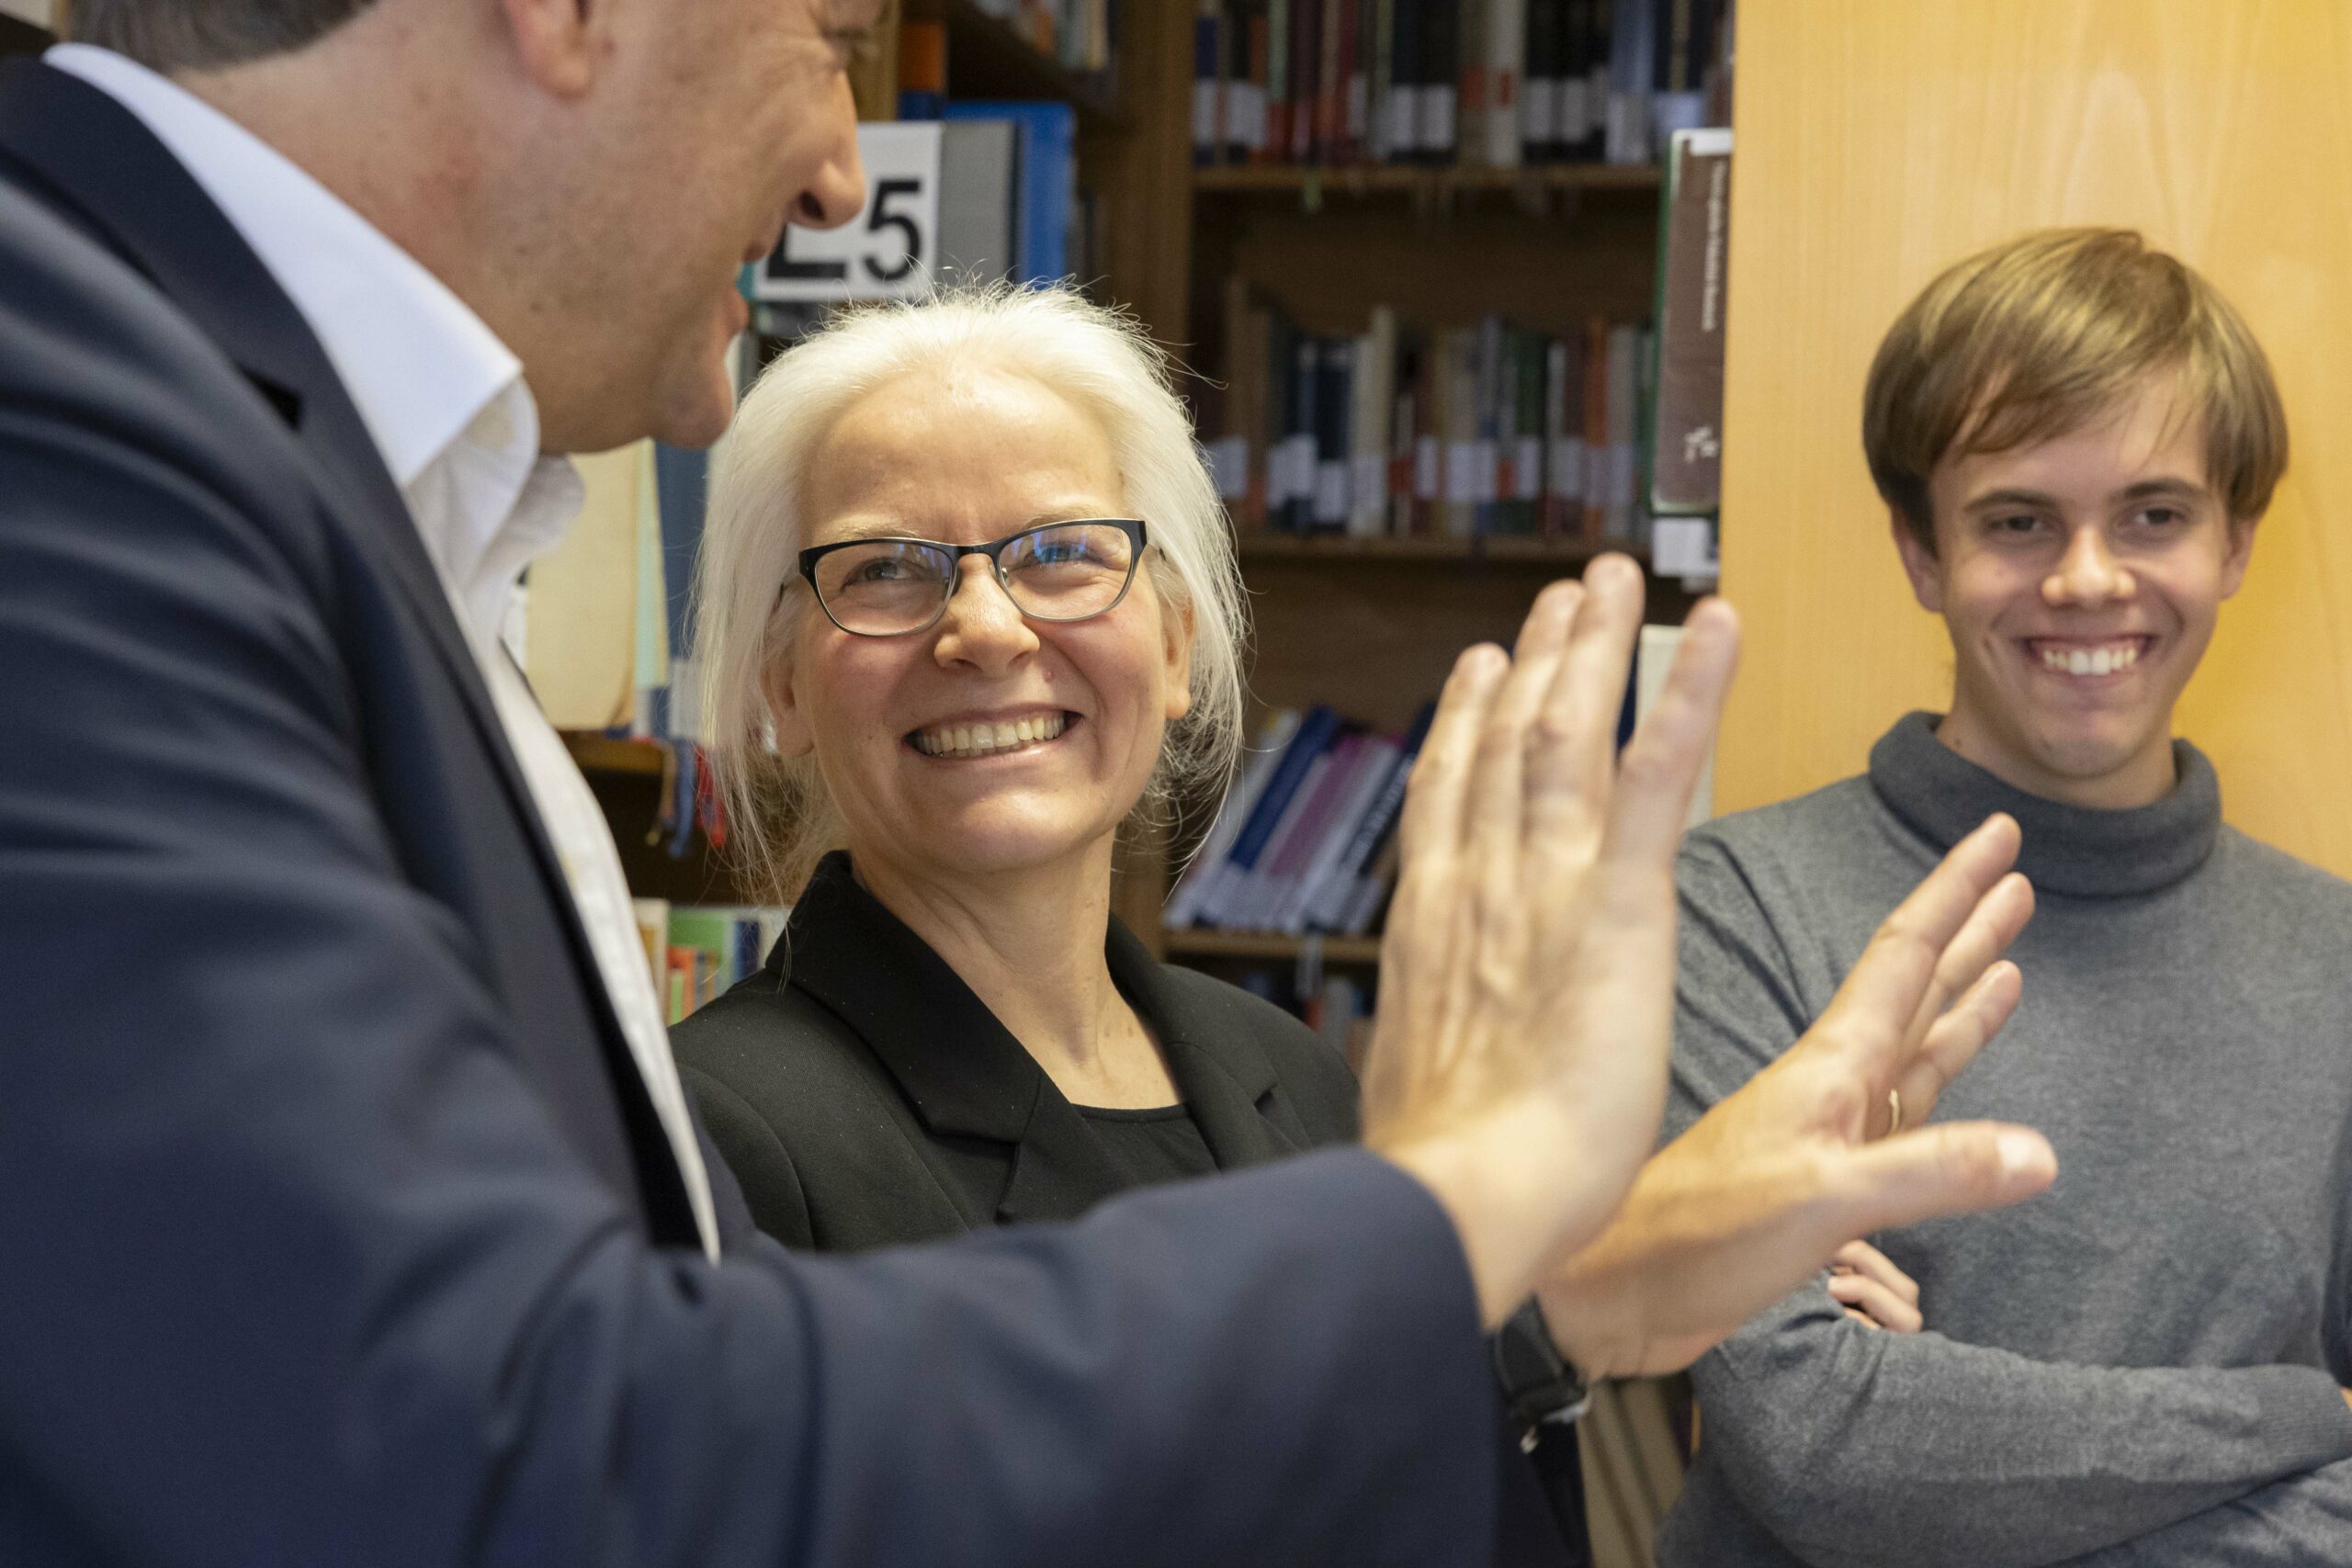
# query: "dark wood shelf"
604 754
1194 942
1407 179
988 58
1512 547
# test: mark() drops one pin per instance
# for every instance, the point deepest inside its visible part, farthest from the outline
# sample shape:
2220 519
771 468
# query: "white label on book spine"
1575 108
1403 129
1298 457
1428 476
1204 126
1437 120
1229 461
1539 111
1331 492
1683 547
1488 470
1567 479
1527 469
1248 114
1358 98
1461 472
1369 482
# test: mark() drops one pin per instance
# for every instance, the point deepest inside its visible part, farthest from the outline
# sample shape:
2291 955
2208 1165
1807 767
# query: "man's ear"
1919 564
1176 638
562 44
791 724
2240 554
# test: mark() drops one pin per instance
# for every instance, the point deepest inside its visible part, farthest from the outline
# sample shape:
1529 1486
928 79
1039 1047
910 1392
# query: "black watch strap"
1538 1383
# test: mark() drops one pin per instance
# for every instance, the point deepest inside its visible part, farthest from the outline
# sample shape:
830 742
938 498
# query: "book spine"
1307 743
1184 905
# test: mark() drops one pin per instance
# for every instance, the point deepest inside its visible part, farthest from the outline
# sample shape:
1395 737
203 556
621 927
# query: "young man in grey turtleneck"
2076 437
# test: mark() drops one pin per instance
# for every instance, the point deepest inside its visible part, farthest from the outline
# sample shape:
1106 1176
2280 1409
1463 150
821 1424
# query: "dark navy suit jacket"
335 1225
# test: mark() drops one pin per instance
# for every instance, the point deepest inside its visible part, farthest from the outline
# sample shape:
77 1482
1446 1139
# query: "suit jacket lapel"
965 1075
126 189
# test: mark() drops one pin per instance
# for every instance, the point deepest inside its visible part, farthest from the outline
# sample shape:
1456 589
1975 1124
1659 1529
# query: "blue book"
1315 735
1048 160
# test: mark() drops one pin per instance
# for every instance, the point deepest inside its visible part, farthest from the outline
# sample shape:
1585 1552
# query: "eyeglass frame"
1138 538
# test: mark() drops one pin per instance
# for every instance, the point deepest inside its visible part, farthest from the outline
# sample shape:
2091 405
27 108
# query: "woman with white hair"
970 605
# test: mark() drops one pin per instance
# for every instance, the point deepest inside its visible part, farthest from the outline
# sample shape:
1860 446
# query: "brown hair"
2041 337
204 35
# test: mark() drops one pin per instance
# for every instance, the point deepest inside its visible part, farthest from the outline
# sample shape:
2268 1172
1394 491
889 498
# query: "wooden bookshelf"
991 59
1567 555
604 754
1273 946
1409 180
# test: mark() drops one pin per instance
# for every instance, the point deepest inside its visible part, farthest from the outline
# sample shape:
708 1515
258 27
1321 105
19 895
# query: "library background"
1448 281
1444 277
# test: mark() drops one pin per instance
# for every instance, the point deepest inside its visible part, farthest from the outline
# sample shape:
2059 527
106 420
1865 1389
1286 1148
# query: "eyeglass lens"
1062 573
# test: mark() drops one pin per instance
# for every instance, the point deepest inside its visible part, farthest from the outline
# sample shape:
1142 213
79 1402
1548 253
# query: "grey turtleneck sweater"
2141 1365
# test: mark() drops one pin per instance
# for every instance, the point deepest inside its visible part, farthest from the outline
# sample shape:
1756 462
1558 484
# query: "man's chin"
699 416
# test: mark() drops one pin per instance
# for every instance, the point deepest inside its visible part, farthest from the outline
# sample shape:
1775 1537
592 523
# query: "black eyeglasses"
1054 571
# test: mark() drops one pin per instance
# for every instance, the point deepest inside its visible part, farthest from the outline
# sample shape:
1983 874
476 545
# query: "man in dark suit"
353 1215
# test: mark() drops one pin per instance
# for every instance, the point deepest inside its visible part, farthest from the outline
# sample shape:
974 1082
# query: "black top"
1159 1144
865 1097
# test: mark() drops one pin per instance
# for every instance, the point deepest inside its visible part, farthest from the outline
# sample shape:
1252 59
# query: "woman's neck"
1029 943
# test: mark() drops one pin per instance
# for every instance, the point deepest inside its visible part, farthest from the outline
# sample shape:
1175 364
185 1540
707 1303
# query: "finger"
1959 1167
1999 916
1436 790
1885 1308
1577 747
1858 1315
1498 792
1661 765
1860 1258
1954 1039
1869 1019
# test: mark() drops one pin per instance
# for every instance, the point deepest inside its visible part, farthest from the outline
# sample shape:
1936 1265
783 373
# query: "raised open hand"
1527 972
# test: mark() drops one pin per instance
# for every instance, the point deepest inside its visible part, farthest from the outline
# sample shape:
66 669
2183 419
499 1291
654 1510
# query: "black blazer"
865 1097
336 1225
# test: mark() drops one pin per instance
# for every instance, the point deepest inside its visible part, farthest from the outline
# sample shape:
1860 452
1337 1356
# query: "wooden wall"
1878 141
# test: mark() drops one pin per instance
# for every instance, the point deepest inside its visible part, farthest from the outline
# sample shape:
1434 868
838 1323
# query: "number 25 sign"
888 249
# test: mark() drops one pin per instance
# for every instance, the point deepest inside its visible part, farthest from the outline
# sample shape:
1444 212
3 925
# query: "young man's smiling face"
2080 578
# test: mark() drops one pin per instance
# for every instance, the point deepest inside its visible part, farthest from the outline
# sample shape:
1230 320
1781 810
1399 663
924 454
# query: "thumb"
1954 1168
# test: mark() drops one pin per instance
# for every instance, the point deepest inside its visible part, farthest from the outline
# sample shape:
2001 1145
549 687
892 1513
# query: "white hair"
780 818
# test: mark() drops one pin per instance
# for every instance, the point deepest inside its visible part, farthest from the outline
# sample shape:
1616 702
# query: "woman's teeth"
2105 660
984 740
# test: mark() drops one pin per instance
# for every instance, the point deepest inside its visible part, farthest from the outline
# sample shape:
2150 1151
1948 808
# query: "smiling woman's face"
910 732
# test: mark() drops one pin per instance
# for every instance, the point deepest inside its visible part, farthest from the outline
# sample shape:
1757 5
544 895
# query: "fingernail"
2022 1152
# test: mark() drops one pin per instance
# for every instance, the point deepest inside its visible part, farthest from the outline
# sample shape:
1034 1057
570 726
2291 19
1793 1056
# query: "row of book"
1081 34
1305 838
696 951
1458 432
1479 83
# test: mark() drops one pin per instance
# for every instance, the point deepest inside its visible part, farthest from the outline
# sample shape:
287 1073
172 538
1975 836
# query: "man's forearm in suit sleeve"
1854 1445
305 1273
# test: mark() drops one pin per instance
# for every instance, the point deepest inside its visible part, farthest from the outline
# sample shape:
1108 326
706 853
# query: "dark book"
1305 76
1440 125
1305 402
1687 440
1401 137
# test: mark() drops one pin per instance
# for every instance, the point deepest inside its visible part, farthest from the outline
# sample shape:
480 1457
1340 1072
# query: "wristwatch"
1538 1384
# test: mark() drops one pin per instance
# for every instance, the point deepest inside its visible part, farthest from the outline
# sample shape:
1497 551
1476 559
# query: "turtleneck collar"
2074 850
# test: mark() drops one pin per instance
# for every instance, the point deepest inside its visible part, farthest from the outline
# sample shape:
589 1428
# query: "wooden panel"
1375 638
1878 142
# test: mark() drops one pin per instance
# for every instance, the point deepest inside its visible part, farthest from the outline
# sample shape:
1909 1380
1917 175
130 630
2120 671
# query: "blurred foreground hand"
1527 982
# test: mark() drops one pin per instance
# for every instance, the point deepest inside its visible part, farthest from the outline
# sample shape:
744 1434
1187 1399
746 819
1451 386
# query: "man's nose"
2088 575
836 192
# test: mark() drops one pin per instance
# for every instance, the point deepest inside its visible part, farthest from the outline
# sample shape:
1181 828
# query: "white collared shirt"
445 402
